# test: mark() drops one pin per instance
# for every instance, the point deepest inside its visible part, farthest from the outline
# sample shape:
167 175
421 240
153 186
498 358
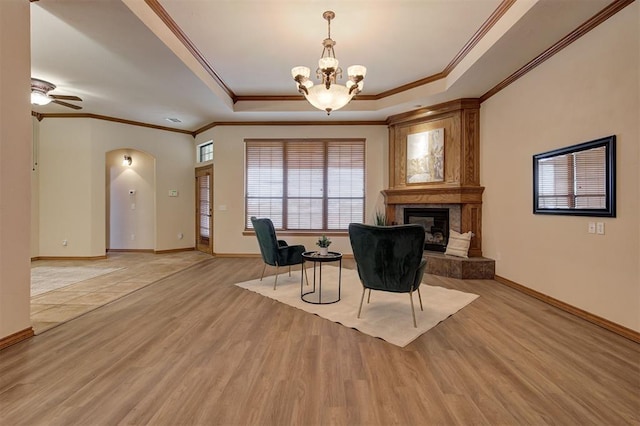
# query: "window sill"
302 233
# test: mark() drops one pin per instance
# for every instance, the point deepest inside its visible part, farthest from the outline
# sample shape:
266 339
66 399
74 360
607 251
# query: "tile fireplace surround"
460 185
469 199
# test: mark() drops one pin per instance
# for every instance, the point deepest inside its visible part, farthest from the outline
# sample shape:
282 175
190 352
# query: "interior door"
204 216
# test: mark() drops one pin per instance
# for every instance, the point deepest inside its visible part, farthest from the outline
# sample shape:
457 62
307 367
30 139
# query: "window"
305 184
205 152
577 180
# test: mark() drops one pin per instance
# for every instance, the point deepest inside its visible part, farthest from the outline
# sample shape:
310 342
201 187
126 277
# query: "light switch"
600 228
173 193
592 227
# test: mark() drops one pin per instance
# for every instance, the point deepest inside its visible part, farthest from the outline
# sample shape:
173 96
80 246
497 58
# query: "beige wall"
15 166
72 188
587 91
228 147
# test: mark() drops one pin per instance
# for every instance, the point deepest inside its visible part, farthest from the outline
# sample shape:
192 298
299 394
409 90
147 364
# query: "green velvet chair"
389 258
275 252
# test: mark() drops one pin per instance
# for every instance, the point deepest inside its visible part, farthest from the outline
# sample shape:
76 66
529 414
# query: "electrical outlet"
180 235
64 243
592 227
600 228
133 237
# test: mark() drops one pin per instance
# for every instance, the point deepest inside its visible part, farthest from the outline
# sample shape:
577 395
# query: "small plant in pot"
380 219
324 243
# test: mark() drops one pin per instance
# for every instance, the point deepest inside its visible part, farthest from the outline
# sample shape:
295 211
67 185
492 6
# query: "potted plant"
380 219
324 243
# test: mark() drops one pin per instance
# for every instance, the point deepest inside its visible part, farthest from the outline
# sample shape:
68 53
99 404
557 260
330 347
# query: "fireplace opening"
436 226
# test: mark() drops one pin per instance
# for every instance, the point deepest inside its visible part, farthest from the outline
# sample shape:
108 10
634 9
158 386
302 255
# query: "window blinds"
305 184
264 181
573 180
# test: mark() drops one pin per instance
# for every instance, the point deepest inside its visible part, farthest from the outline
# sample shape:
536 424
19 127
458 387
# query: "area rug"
387 316
48 278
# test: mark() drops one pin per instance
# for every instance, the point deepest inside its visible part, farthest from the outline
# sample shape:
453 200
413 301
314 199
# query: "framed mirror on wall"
578 180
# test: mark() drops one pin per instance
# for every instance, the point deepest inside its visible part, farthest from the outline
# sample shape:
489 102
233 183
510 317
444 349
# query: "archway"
131 201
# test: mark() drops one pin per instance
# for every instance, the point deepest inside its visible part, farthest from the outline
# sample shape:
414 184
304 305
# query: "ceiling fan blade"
55 101
65 97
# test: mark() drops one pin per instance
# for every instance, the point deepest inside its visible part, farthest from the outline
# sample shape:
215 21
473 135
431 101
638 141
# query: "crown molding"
289 123
41 116
160 11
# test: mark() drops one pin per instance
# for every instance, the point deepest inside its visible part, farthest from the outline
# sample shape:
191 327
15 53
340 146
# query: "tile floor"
140 269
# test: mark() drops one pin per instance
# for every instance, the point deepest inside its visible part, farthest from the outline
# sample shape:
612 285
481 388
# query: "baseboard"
69 257
595 319
111 251
174 250
14 338
130 251
257 255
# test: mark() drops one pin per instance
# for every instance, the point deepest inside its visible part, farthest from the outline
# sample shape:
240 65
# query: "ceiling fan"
40 95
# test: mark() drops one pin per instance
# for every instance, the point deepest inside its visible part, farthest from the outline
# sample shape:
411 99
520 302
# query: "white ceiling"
126 63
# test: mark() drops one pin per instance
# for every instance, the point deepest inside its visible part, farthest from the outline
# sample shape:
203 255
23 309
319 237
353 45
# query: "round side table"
315 295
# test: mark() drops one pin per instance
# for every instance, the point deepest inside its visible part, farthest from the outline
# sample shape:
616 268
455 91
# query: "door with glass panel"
204 216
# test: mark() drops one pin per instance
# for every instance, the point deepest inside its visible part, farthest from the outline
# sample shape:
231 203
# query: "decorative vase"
324 251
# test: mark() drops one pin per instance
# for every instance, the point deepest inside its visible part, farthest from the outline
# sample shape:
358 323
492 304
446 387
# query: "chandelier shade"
329 95
331 99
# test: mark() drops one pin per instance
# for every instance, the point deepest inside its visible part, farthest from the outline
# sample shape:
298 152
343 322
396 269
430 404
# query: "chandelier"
329 96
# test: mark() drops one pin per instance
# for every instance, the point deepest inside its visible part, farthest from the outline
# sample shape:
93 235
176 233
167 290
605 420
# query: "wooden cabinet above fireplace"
456 153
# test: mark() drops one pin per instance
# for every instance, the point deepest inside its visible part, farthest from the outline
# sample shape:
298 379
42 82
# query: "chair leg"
413 312
289 270
420 297
369 297
276 281
263 268
362 299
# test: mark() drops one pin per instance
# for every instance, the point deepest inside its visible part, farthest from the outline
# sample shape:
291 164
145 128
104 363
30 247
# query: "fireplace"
460 189
436 226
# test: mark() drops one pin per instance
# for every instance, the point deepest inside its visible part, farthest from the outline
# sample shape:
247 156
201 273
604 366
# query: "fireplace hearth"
436 226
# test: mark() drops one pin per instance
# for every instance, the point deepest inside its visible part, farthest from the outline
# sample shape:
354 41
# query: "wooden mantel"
461 185
435 195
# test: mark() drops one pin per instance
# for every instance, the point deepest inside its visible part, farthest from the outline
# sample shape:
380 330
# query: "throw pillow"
458 244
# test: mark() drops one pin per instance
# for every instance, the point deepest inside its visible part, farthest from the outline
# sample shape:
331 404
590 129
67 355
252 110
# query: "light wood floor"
137 270
195 349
